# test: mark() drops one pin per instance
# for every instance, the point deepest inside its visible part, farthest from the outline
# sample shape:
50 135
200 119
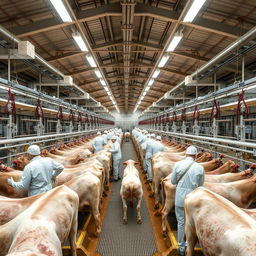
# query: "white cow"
131 188
221 227
43 227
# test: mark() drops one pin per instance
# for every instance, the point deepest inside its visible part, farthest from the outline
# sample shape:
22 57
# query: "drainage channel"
130 239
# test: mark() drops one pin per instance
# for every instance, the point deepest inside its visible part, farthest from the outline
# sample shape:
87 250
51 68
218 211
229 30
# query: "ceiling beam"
79 72
65 56
114 9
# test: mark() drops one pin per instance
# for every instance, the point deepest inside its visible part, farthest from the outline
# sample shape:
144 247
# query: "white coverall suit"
117 155
149 145
37 175
193 179
157 147
98 143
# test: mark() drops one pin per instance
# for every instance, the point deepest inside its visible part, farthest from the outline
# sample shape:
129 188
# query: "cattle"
8 190
131 188
227 177
65 160
229 166
162 167
87 186
221 227
127 136
11 207
40 230
241 191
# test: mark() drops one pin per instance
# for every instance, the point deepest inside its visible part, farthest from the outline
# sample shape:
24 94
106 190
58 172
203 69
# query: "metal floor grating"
132 239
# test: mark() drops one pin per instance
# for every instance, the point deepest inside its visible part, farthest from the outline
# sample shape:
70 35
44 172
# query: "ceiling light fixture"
91 61
98 73
79 41
193 10
163 61
150 82
175 41
156 73
102 81
61 10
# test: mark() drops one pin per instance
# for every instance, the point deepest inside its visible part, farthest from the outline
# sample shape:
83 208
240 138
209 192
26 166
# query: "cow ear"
136 162
125 163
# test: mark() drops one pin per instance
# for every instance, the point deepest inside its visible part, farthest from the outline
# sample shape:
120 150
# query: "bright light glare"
98 73
80 42
175 41
163 61
61 10
91 61
193 10
102 81
156 73
147 88
150 82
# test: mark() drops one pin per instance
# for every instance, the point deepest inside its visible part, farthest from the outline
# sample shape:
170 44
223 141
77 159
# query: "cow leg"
73 232
125 211
190 234
139 220
168 203
156 191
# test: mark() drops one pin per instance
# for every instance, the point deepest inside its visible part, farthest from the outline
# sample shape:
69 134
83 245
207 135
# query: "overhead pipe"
232 47
39 58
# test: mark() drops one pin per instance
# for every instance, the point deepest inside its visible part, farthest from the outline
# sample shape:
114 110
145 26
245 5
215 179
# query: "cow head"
20 163
234 167
252 167
247 172
221 156
130 162
53 150
44 152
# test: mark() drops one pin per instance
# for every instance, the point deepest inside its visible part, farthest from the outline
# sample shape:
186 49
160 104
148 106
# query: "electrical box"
67 80
26 50
189 80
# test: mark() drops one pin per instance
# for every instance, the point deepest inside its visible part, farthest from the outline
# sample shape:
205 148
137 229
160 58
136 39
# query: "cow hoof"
157 213
156 206
139 221
125 221
164 233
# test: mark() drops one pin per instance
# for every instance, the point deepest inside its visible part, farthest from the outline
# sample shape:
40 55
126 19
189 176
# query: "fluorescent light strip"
91 61
102 81
175 41
61 10
98 73
156 73
150 82
163 61
80 42
193 10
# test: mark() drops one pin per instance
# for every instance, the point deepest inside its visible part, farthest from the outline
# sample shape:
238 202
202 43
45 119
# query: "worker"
98 142
105 137
38 174
157 146
148 154
143 149
116 155
187 175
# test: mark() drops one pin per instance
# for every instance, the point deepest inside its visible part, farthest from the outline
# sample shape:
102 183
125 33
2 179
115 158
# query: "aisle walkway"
118 239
